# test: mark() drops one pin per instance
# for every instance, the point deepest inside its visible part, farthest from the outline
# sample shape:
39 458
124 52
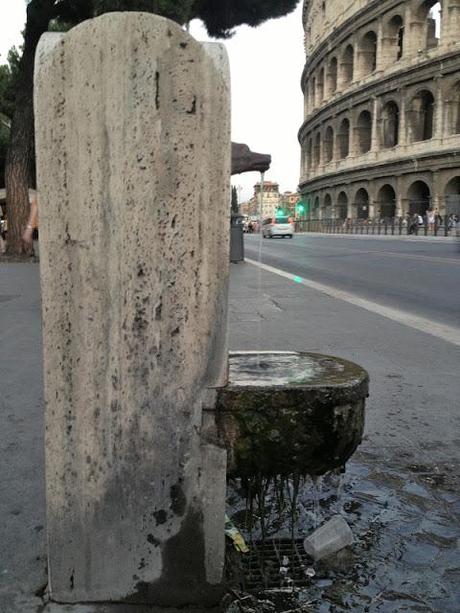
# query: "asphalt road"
412 419
417 276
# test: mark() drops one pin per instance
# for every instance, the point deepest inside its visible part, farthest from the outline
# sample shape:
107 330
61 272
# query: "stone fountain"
143 404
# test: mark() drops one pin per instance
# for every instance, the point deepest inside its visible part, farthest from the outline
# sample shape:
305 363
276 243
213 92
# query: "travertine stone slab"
133 154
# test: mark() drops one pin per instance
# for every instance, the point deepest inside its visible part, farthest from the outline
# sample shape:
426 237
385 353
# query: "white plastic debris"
329 538
310 572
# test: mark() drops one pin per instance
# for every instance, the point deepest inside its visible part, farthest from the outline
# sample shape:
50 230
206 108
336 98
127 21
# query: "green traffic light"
300 207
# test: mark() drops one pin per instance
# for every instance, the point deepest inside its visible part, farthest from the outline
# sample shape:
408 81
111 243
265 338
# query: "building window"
421 114
368 53
395 38
429 17
390 125
317 150
332 76
343 138
320 83
364 132
347 65
329 145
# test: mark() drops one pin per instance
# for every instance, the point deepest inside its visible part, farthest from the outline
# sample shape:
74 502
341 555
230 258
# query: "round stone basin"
285 413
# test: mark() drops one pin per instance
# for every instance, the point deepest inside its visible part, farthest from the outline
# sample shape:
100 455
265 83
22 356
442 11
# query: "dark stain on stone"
158 310
192 110
140 271
141 564
160 517
178 499
72 580
152 540
157 90
183 581
176 331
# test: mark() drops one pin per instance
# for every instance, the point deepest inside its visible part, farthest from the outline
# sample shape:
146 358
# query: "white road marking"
450 334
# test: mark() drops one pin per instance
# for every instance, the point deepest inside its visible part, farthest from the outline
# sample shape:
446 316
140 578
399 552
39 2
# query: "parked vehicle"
277 226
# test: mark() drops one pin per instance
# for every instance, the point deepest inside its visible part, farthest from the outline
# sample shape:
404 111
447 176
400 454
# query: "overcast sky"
266 65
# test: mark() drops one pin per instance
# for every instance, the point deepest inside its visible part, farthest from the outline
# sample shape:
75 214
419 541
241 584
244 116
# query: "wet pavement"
406 556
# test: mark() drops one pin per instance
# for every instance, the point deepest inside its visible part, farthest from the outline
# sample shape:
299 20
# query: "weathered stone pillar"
450 26
438 119
375 141
133 155
402 135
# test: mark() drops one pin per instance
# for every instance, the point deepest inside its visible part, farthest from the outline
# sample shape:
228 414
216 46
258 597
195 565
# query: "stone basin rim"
319 373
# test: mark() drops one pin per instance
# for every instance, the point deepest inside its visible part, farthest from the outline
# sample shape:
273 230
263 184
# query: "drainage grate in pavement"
276 563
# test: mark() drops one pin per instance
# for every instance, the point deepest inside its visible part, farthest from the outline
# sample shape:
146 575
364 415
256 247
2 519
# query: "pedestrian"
413 223
3 227
430 217
437 217
30 234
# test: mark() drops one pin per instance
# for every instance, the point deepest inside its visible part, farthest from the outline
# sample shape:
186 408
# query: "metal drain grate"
276 564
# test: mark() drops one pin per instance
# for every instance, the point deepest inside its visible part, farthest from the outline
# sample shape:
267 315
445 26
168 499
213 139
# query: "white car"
277 226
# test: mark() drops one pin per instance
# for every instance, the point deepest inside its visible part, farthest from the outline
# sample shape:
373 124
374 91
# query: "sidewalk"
407 447
408 237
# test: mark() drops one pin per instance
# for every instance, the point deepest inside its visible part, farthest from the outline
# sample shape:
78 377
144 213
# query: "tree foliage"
8 75
234 206
16 86
219 16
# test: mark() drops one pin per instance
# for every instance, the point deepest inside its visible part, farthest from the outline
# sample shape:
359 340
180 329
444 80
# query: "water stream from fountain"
259 274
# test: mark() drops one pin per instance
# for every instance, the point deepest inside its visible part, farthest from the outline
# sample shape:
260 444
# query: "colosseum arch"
419 197
317 150
386 200
347 66
313 93
327 206
328 144
453 109
367 54
320 87
316 208
364 132
331 77
389 136
420 116
343 139
452 196
309 153
361 204
428 16
342 206
393 43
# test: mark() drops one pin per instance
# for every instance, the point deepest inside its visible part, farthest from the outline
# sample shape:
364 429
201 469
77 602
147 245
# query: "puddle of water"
406 554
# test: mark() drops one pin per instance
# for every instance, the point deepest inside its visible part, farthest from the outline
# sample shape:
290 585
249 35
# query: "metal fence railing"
444 226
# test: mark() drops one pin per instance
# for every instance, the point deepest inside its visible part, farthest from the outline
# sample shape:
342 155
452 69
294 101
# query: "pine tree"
235 205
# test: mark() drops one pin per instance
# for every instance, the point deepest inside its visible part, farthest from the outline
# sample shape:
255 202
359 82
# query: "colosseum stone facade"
381 130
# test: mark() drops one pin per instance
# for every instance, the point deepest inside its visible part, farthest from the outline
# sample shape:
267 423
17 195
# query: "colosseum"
381 130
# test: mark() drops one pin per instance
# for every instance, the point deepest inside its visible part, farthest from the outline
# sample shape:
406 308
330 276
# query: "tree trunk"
20 159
